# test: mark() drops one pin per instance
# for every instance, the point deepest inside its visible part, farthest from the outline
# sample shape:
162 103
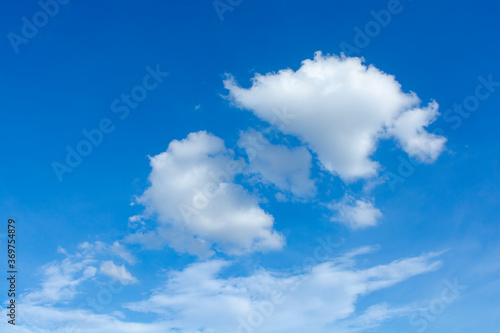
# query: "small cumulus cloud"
119 273
355 213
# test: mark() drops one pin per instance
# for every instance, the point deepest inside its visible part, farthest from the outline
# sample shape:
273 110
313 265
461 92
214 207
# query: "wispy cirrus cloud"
202 297
116 249
62 278
318 299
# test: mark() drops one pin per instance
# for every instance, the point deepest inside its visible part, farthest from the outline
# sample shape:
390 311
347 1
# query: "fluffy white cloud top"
199 207
356 213
341 108
288 169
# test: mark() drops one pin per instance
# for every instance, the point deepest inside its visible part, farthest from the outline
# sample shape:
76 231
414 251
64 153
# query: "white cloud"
286 168
341 109
60 280
116 249
39 319
193 196
409 128
119 273
373 317
355 213
120 251
198 298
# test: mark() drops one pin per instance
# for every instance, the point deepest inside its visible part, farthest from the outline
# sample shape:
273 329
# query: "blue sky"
314 107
